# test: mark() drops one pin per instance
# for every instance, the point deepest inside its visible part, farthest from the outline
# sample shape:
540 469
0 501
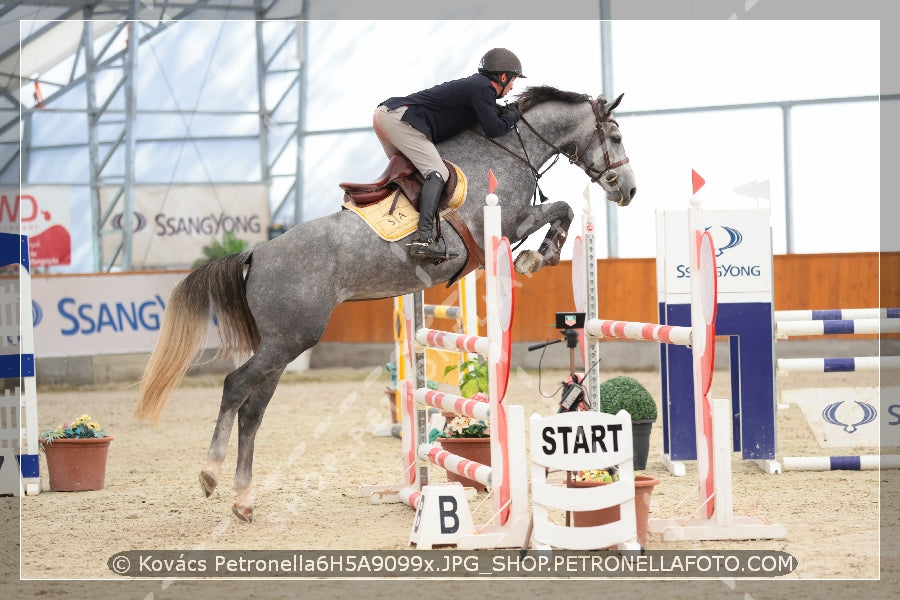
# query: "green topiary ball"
627 393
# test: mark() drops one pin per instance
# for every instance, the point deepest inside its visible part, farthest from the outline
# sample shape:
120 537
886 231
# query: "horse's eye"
616 139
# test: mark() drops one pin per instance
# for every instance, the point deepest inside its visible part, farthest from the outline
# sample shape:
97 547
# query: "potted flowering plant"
466 427
469 438
76 455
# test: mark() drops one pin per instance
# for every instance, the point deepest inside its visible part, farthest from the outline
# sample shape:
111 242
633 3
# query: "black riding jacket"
446 109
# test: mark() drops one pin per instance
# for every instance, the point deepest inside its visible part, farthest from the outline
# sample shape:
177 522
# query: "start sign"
581 440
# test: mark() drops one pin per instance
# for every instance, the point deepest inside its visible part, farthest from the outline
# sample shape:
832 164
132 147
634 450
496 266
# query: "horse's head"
615 176
588 136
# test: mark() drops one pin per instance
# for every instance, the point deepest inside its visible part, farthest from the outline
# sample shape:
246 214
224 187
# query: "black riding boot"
425 245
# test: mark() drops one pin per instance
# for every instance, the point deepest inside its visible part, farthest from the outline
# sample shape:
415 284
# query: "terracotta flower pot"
643 488
474 449
76 464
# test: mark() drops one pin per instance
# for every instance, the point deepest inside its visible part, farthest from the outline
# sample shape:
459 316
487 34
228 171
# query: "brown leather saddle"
401 176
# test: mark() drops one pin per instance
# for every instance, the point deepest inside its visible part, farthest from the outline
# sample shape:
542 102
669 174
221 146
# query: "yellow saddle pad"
394 217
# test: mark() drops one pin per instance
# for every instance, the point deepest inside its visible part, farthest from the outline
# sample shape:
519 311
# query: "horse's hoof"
528 261
244 513
208 482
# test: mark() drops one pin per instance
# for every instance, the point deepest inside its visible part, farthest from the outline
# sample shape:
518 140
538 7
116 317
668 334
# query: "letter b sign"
442 516
447 510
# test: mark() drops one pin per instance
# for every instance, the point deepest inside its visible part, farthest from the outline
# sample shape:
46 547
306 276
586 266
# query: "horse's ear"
614 104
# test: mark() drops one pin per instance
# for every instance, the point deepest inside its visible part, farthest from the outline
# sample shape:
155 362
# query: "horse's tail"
219 283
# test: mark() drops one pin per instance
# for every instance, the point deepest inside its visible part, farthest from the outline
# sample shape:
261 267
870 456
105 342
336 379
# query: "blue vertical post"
749 327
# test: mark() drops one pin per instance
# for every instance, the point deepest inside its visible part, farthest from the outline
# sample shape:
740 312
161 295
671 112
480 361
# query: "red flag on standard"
697 180
492 181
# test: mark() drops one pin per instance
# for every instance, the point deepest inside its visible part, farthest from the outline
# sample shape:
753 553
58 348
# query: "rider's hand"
511 114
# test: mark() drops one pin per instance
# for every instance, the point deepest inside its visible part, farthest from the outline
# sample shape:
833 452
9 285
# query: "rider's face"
508 86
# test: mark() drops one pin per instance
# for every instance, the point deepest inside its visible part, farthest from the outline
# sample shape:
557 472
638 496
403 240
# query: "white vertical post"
591 308
721 420
420 426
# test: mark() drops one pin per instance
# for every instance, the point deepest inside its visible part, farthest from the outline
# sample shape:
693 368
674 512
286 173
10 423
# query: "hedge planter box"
76 464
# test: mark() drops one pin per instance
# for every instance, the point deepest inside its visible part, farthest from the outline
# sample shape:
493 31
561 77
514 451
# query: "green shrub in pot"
627 393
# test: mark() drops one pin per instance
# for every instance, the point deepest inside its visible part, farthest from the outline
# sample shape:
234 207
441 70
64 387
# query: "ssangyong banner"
42 213
172 224
743 242
86 315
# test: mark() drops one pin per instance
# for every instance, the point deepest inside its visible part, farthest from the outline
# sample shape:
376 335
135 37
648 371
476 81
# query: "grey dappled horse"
281 306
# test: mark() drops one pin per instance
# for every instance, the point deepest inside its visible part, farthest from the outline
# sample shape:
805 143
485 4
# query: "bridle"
598 133
607 173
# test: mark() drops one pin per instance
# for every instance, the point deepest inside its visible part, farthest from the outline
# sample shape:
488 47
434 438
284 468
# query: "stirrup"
431 249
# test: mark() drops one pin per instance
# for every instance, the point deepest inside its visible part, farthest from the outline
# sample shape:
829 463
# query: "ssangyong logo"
829 415
724 238
140 221
731 238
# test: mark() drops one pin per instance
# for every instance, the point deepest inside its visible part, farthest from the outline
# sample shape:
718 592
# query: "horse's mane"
535 95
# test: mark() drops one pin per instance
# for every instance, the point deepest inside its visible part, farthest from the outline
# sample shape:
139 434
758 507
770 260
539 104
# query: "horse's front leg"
559 215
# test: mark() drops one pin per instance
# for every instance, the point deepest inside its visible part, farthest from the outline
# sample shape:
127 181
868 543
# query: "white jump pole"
788 329
871 462
837 314
849 364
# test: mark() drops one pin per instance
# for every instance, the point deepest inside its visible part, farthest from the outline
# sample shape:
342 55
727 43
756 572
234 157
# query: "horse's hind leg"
249 419
559 215
234 392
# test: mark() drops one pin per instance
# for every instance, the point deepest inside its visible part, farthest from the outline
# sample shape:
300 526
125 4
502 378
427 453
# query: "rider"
412 125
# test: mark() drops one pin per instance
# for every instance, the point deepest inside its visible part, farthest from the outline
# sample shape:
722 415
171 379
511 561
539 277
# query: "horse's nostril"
633 192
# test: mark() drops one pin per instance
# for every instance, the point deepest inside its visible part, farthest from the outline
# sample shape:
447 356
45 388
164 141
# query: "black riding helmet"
498 61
